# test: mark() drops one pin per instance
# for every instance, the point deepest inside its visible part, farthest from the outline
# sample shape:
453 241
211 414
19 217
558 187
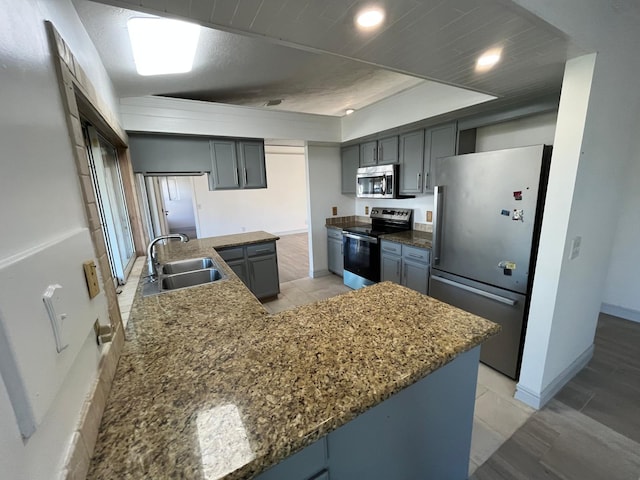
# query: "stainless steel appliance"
362 248
488 210
377 182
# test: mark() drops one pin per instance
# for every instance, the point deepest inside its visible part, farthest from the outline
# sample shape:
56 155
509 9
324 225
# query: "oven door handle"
360 237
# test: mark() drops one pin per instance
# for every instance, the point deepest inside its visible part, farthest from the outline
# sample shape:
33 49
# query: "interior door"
112 206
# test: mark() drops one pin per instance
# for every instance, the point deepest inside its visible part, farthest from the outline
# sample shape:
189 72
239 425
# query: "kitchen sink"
189 265
183 274
190 279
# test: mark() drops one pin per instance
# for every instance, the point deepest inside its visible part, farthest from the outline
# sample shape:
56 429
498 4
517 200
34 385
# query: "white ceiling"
309 53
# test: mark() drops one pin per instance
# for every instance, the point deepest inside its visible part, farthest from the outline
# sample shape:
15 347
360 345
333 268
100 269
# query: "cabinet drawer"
261 249
416 254
391 247
233 253
333 233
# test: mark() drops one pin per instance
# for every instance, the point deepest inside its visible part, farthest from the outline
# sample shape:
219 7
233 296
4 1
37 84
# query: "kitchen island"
210 385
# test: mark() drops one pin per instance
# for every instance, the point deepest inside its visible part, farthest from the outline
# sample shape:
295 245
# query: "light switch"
334 211
91 276
429 216
575 247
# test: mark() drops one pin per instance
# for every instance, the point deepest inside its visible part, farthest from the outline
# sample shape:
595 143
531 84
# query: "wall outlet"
366 210
92 278
334 211
429 216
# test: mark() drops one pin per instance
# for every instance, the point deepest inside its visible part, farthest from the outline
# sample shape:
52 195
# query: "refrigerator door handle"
477 291
438 203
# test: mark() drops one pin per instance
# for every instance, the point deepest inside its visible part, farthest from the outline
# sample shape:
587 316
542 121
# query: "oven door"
362 256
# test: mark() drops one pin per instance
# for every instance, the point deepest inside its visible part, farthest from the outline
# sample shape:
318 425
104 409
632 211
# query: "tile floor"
497 414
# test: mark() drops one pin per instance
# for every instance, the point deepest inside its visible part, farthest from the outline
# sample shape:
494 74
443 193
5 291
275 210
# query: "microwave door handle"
384 184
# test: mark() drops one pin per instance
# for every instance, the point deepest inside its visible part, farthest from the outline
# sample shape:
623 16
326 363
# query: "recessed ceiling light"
488 59
349 111
161 46
370 18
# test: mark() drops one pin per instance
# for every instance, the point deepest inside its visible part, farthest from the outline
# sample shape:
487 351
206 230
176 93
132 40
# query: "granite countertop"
415 238
347 224
211 386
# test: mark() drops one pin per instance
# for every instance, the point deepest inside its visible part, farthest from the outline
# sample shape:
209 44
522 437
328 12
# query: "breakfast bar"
211 386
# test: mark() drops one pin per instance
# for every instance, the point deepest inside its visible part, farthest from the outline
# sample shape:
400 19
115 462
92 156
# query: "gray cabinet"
405 265
335 252
412 161
350 162
224 172
237 164
439 142
156 153
379 152
256 265
388 150
252 164
369 154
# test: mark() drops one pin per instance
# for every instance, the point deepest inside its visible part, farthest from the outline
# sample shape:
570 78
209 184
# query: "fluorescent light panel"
162 46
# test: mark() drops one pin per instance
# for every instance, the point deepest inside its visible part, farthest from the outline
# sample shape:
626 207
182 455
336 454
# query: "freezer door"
485 215
501 352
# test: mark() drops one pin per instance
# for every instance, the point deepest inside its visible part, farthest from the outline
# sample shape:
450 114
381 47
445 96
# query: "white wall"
324 173
172 115
280 208
40 185
532 130
422 101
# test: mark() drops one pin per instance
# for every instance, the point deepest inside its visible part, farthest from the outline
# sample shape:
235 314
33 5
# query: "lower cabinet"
421 432
256 265
405 265
335 251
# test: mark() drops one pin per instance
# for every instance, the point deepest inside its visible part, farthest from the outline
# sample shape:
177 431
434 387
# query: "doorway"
106 178
168 203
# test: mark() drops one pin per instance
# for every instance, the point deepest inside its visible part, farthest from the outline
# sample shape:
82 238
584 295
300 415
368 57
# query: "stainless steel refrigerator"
488 210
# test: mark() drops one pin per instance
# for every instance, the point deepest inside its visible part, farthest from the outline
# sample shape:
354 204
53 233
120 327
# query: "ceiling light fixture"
488 59
349 111
370 18
162 46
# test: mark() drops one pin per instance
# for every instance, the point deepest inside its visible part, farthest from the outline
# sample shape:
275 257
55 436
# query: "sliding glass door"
114 216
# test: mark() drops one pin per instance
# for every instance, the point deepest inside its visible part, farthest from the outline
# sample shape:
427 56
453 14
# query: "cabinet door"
369 154
263 272
390 267
350 163
224 165
411 159
239 267
415 275
336 258
439 142
388 150
252 165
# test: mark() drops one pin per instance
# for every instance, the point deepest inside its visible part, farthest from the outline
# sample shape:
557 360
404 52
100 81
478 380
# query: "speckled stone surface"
347 224
211 386
414 238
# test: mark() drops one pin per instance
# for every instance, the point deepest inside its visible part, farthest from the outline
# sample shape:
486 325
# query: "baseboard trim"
616 311
319 273
537 401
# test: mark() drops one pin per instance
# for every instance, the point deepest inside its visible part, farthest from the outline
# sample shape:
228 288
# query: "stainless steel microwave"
377 182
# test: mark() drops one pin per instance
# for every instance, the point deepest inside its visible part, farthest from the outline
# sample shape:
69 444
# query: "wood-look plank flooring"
591 429
293 257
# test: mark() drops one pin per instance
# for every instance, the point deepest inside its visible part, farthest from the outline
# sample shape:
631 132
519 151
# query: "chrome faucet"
151 252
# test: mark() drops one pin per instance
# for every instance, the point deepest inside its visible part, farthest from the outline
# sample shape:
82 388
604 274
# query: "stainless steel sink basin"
189 265
190 279
183 274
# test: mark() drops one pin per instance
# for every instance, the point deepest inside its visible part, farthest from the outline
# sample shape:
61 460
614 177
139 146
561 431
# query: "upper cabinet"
411 161
350 163
379 152
168 154
440 141
237 164
251 154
